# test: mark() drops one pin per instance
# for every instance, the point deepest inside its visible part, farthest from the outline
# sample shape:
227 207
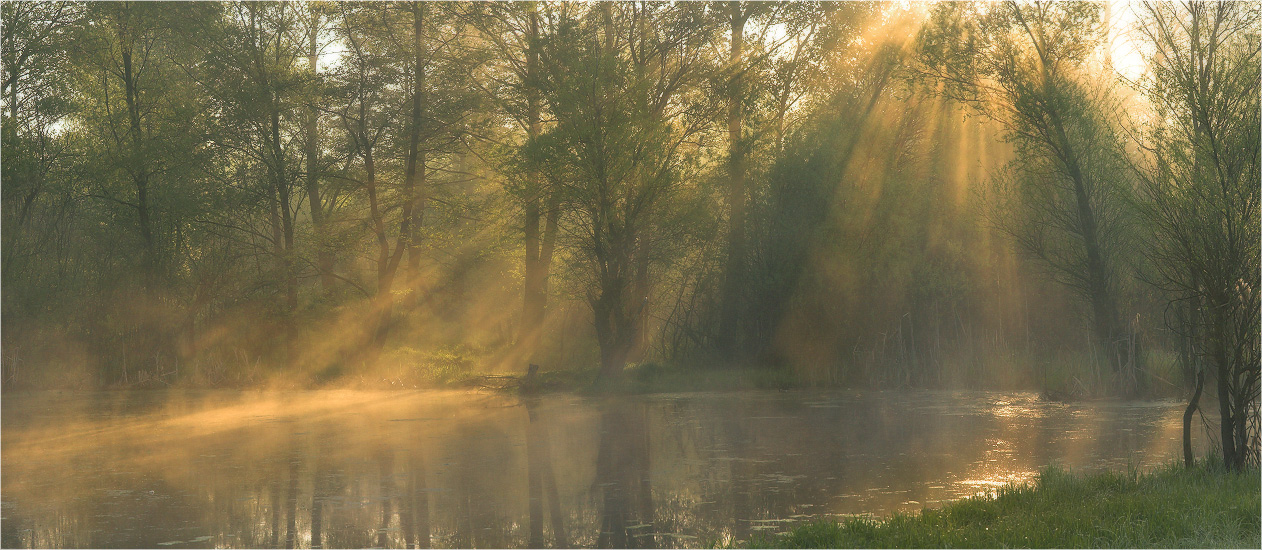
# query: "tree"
387 75
253 71
734 271
369 78
144 133
617 83
123 55
1063 197
316 22
1200 174
512 32
765 78
36 95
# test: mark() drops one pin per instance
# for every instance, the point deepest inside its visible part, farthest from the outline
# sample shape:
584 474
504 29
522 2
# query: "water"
454 469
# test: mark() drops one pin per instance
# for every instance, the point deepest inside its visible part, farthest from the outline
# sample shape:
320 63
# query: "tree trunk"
324 257
414 177
1106 319
612 308
733 283
1227 431
639 302
286 213
383 300
539 246
1193 404
138 166
612 330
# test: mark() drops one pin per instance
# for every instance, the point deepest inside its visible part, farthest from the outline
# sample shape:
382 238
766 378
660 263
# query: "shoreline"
1172 507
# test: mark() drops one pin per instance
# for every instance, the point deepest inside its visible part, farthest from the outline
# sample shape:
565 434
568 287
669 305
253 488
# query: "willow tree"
1063 198
1200 179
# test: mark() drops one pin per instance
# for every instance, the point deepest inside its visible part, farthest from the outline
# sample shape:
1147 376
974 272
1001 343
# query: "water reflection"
542 481
437 469
622 479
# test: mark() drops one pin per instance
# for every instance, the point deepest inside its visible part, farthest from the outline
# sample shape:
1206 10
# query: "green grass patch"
1204 507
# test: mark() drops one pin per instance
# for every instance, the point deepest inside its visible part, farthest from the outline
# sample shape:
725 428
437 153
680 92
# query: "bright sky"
1127 59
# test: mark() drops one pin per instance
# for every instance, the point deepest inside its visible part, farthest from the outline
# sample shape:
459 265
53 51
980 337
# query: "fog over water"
454 469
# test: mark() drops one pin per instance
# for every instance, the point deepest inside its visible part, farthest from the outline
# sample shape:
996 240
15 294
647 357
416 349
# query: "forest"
1057 196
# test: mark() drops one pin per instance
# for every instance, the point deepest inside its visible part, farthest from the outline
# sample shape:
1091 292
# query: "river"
202 469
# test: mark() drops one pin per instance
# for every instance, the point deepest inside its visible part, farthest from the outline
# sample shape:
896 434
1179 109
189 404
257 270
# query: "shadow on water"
450 469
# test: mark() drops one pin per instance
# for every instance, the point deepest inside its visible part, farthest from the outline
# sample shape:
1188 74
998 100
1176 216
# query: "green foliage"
1204 507
1065 197
409 367
239 191
1201 197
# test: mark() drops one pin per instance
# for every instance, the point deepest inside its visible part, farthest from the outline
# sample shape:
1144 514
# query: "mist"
232 209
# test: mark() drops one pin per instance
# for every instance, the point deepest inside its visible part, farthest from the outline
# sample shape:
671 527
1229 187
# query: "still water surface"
346 469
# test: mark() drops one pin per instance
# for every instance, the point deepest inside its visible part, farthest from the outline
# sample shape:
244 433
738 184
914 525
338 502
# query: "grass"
1204 507
1070 376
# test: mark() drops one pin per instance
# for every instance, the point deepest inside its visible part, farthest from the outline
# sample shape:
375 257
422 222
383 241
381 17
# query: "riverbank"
1204 507
653 378
411 369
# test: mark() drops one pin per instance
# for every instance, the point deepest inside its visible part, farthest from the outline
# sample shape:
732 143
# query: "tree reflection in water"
444 470
541 480
622 478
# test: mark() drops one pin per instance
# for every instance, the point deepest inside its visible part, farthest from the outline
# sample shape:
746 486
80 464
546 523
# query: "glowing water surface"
452 469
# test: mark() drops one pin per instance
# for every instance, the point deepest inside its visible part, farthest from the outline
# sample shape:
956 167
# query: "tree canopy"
866 194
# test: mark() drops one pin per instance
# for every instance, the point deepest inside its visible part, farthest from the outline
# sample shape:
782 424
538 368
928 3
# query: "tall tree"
1200 174
316 22
251 73
616 82
123 52
36 94
368 77
388 74
145 129
734 272
1064 196
512 33
774 59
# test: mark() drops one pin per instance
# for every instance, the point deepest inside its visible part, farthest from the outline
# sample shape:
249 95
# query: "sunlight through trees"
1052 195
